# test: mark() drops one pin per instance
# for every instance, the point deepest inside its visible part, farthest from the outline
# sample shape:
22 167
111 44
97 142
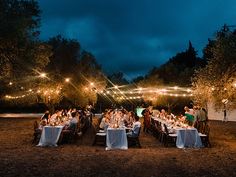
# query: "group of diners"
193 117
166 126
73 121
121 118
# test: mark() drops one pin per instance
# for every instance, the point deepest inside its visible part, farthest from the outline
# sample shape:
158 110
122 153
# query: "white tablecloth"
188 138
50 135
116 139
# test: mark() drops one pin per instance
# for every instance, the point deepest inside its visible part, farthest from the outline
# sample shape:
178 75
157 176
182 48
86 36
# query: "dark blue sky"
132 36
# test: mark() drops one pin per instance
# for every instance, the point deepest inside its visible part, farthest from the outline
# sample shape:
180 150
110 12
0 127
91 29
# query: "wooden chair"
169 137
154 128
161 133
37 132
100 138
70 136
134 141
205 136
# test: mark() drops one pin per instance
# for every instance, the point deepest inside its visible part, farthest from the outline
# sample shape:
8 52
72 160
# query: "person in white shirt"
136 128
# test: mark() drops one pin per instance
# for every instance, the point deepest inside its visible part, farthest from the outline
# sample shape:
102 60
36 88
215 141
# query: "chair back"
139 130
206 130
152 121
36 125
166 129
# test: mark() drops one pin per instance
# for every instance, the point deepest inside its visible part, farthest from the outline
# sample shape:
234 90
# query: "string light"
43 75
67 80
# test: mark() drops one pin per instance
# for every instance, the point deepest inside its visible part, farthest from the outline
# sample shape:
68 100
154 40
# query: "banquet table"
116 139
50 135
188 137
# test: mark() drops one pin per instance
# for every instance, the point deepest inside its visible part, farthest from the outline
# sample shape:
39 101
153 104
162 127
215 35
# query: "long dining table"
187 137
50 135
116 138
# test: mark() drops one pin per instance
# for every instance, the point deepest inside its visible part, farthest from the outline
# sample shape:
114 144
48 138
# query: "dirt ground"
19 158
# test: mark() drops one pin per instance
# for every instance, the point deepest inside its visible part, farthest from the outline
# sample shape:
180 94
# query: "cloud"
135 35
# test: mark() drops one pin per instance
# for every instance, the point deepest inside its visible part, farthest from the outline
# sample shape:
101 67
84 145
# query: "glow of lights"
234 84
43 75
10 83
108 92
184 95
14 97
67 80
175 87
30 90
188 90
163 90
116 87
92 84
212 88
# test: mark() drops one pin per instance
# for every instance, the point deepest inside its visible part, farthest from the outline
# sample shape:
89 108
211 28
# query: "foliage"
24 58
179 69
21 52
216 81
84 74
117 78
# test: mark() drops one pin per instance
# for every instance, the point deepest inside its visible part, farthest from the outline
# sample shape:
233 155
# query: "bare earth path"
18 157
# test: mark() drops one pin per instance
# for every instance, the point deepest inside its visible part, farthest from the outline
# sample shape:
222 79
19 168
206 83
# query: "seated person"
129 119
55 117
73 122
105 122
39 128
46 116
135 129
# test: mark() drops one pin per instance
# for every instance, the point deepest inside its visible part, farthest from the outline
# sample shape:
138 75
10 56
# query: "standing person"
146 116
189 114
201 118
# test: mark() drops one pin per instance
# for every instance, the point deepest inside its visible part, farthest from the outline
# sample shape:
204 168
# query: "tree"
180 68
84 74
216 81
21 53
117 79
